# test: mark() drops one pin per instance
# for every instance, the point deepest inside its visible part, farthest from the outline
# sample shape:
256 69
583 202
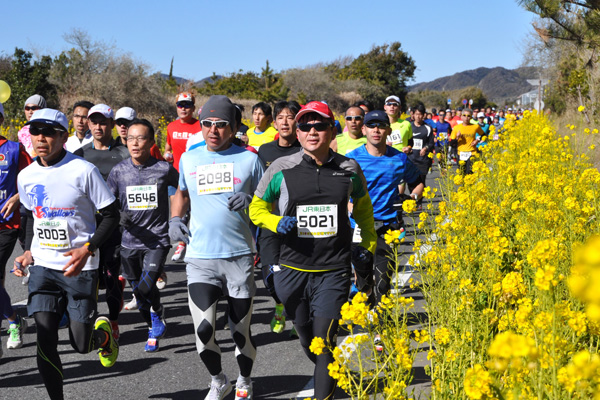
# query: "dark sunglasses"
392 103
219 124
34 108
319 126
377 125
185 104
122 122
44 130
354 118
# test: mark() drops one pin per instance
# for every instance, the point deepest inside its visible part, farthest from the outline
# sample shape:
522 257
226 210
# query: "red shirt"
178 133
155 152
24 161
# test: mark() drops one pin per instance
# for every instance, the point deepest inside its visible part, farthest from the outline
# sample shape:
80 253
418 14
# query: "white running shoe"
179 253
218 392
161 282
15 334
132 305
243 392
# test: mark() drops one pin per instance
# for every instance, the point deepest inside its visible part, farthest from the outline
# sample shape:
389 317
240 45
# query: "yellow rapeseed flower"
317 345
477 383
580 108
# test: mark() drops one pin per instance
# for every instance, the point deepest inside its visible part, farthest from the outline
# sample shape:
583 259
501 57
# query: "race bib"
496 137
395 137
442 135
214 178
52 233
318 221
142 197
464 155
418 144
356 238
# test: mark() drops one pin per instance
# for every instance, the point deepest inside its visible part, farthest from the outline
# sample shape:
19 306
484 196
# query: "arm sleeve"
430 141
363 212
110 220
260 208
172 176
28 230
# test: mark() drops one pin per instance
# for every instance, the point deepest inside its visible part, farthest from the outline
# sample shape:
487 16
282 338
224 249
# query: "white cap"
102 109
509 108
2 109
481 115
127 113
448 110
49 116
396 98
185 96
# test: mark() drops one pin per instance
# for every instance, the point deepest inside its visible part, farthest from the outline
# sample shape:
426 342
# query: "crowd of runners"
294 194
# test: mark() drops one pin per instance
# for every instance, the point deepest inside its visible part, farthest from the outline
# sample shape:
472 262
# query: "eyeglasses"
28 108
354 118
122 122
377 125
185 104
44 130
220 124
137 139
392 103
319 126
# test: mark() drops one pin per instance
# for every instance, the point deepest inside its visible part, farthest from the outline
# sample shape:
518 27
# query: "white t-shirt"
63 198
194 139
73 142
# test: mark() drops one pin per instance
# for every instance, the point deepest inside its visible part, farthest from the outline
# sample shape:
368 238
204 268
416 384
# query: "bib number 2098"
214 178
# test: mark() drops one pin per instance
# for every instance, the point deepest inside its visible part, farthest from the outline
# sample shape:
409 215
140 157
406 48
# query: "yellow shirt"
258 139
467 135
401 134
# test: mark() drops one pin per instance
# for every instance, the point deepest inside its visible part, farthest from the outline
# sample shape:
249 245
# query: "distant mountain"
498 83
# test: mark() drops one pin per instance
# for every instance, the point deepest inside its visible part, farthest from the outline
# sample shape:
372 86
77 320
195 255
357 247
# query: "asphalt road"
281 370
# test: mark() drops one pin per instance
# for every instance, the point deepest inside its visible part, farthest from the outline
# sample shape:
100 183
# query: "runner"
312 189
62 194
140 184
82 135
178 133
443 129
269 242
32 104
262 132
13 159
401 129
216 182
423 146
384 167
464 138
105 152
353 137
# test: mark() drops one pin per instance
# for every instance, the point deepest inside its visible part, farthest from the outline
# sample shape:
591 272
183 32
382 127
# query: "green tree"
171 83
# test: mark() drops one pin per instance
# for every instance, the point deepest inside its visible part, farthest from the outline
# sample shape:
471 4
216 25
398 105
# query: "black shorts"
51 291
8 238
134 261
269 245
320 294
416 182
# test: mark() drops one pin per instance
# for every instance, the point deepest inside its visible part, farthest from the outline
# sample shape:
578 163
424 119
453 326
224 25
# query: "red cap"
317 107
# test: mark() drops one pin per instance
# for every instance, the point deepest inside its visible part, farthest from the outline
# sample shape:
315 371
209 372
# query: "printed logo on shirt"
183 135
39 199
3 160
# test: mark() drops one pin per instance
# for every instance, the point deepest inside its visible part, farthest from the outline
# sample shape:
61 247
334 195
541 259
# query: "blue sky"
442 36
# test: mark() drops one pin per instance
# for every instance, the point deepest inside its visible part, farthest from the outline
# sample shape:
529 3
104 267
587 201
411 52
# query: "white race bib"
356 238
442 135
395 137
417 144
52 233
214 178
142 197
464 155
318 221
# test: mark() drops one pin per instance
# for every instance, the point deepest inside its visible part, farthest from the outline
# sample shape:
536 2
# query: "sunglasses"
377 125
319 126
354 118
34 108
44 130
392 103
467 115
185 104
220 124
122 122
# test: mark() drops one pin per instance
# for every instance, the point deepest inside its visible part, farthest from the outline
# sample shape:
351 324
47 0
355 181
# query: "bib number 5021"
317 221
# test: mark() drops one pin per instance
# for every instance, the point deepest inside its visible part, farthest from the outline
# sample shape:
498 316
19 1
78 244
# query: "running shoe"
293 333
110 352
179 253
115 329
278 321
159 325
218 391
123 282
16 331
64 321
132 305
161 282
243 392
152 343
402 234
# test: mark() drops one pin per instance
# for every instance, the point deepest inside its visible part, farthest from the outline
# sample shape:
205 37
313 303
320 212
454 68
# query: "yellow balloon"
4 91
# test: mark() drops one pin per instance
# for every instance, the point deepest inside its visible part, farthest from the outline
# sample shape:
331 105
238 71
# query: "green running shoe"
278 321
108 354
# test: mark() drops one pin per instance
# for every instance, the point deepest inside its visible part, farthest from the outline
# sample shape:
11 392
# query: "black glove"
239 201
362 260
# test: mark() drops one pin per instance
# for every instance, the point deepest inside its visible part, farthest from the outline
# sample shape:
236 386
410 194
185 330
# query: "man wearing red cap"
312 189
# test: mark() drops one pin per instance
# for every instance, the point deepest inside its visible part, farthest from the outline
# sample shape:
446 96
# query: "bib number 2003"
318 221
52 234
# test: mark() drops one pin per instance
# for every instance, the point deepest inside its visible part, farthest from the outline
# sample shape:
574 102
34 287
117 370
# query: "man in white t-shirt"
62 194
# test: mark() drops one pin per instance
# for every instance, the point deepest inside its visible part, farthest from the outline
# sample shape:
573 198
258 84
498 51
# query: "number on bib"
142 197
464 155
417 144
317 221
214 178
52 233
395 137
